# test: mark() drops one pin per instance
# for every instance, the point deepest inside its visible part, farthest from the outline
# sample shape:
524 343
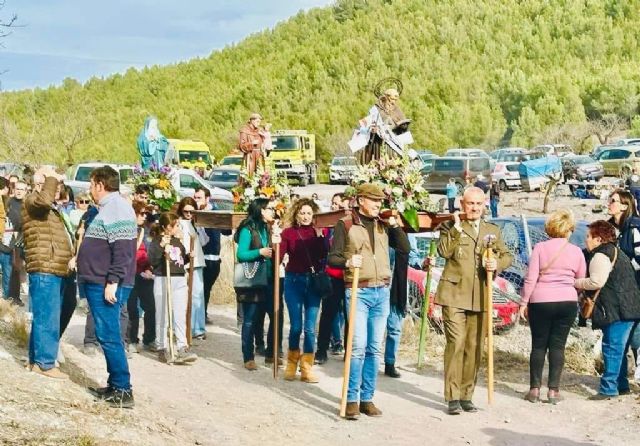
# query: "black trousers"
266 308
69 301
143 291
550 324
331 305
210 274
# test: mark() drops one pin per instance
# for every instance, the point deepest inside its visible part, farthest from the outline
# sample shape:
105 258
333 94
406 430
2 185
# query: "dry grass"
16 321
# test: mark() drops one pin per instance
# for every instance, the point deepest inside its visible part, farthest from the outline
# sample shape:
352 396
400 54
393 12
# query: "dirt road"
218 402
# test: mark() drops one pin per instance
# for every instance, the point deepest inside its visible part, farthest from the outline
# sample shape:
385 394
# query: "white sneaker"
60 358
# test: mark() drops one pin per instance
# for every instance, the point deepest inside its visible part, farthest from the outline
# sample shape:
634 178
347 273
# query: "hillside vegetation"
483 72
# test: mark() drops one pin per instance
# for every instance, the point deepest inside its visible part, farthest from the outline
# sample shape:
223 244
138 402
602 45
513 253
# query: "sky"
57 39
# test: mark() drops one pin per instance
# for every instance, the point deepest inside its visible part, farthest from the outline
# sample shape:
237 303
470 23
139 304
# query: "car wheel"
503 185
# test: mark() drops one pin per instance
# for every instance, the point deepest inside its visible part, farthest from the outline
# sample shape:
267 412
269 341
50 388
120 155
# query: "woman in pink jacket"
550 301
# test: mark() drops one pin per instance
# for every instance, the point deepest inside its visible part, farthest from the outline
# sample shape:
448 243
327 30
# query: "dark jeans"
6 263
550 324
107 319
90 326
69 301
452 205
16 274
331 305
210 275
614 343
249 325
142 291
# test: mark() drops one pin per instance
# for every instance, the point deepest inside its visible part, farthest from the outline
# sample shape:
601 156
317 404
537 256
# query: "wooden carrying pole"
489 328
169 308
192 244
276 307
424 317
353 304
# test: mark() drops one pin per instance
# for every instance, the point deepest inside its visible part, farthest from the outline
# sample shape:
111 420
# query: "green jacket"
464 279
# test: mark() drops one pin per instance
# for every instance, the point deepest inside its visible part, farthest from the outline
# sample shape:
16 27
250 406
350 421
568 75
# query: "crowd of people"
124 256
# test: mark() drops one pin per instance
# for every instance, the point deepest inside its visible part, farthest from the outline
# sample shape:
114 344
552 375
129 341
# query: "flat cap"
372 191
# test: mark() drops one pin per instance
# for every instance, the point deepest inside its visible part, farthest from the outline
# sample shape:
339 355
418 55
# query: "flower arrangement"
261 184
402 182
162 192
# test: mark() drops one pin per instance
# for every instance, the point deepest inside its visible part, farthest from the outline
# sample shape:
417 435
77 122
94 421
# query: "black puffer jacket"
619 298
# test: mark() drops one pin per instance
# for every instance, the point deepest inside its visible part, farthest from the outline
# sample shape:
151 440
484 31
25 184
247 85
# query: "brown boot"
306 363
369 409
352 412
293 356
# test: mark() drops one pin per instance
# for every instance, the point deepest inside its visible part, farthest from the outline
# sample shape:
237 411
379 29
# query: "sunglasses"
84 201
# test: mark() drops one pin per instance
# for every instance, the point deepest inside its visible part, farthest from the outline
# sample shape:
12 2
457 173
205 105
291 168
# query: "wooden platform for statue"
230 220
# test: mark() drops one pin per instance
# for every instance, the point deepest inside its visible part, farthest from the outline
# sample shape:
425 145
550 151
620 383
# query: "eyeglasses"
84 201
613 200
21 190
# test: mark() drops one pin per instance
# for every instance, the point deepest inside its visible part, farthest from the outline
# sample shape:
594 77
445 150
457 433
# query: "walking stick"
276 307
192 244
488 255
169 308
424 317
352 326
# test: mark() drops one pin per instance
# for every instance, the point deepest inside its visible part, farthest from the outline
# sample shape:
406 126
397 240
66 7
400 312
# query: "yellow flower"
268 190
153 181
164 184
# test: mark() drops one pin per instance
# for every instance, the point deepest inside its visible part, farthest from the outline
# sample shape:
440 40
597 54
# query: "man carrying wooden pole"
361 247
462 292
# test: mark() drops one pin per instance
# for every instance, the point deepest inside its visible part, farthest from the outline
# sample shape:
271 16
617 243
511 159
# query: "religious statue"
255 143
152 144
385 128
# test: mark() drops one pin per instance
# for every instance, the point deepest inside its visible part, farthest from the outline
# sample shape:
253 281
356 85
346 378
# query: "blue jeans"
301 298
45 298
6 263
198 316
493 205
371 318
614 340
394 333
107 319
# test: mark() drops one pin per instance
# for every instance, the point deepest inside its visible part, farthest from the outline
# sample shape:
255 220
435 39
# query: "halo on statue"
387 83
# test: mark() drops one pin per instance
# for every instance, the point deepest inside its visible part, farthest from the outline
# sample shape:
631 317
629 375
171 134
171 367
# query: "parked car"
506 172
224 177
554 149
581 167
500 154
342 168
467 153
232 161
520 234
458 168
185 182
620 161
7 169
627 141
77 176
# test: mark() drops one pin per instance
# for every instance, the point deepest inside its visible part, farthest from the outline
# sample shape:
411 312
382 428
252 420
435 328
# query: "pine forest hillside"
475 73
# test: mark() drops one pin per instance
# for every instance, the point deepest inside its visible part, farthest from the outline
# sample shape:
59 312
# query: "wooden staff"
489 305
424 317
169 308
276 307
352 326
192 243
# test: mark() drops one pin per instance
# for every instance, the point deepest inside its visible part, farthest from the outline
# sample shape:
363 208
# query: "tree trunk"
551 185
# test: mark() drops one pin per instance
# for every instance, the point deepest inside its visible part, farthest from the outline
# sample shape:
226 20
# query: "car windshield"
344 162
84 173
232 160
224 176
125 174
582 160
285 142
195 155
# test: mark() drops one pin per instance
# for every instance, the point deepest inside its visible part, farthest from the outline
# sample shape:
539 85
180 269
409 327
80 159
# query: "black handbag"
319 281
250 275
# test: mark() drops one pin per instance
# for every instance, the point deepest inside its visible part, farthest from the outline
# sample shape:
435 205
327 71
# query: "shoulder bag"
248 275
319 280
587 304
